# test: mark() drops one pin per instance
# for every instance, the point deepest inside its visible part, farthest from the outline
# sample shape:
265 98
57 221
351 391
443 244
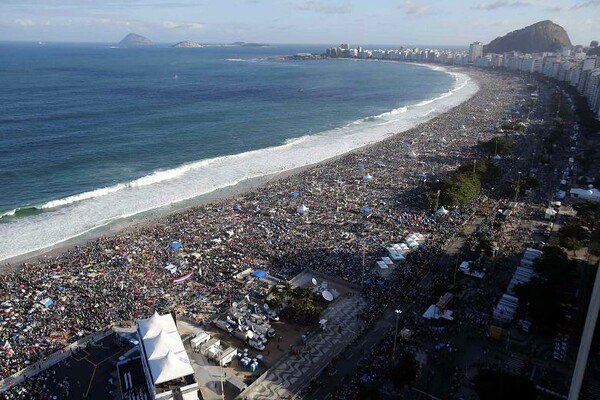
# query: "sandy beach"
120 275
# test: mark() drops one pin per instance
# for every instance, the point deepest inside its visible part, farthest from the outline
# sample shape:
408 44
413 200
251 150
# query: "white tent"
367 178
302 209
441 211
412 154
152 326
161 344
163 348
169 367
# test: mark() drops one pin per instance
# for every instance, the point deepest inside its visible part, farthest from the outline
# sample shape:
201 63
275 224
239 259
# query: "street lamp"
398 312
518 188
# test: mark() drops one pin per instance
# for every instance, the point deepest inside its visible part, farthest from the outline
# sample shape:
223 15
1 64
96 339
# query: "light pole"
518 188
398 312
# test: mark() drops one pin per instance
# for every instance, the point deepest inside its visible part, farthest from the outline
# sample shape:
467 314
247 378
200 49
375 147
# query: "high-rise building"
475 51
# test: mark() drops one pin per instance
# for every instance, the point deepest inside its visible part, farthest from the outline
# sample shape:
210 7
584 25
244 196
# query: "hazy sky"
418 22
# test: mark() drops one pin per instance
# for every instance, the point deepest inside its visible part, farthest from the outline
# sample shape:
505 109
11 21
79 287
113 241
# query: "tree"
495 385
594 43
570 243
498 145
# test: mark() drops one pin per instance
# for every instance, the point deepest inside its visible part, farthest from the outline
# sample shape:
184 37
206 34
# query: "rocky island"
133 39
187 44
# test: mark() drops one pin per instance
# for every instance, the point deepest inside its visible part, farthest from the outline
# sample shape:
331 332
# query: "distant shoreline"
149 217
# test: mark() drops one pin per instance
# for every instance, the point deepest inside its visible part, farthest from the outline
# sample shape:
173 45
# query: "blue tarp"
365 210
61 289
368 281
259 273
175 245
47 302
294 194
380 282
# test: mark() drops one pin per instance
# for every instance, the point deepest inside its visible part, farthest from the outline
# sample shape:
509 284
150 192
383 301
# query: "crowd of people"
117 279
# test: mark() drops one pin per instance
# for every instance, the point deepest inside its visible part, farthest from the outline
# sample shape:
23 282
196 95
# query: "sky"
361 22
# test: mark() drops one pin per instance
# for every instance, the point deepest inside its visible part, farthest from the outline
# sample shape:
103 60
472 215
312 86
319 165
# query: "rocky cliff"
536 38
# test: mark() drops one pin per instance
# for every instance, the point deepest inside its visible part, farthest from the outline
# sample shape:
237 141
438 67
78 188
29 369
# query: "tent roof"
155 324
164 349
159 345
170 366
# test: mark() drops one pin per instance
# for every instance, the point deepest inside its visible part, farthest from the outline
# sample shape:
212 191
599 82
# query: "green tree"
498 145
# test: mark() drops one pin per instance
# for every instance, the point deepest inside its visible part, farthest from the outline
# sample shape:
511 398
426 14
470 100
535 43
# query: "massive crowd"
113 280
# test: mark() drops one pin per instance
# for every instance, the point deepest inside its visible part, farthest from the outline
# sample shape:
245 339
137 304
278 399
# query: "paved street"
293 373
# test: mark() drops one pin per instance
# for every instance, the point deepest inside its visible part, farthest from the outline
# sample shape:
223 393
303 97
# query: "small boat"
175 77
300 90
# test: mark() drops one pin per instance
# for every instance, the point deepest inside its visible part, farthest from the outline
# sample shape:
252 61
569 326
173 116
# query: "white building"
475 51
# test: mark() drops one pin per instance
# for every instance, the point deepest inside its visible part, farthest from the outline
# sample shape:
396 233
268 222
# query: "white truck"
200 338
227 355
263 329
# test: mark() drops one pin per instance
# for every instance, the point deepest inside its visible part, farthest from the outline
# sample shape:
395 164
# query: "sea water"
91 134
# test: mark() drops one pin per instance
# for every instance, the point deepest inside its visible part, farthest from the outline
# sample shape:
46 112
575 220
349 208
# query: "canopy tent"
159 345
302 209
175 245
367 178
169 367
164 350
152 326
259 273
442 211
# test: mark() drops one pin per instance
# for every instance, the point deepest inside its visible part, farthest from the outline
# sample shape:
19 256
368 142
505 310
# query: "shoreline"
148 217
122 277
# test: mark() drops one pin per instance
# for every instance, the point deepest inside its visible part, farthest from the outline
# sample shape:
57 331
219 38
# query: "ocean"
90 135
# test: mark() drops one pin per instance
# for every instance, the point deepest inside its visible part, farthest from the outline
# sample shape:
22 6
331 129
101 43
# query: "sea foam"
76 215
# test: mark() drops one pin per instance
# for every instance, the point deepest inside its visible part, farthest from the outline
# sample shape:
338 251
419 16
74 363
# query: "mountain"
539 37
187 44
133 39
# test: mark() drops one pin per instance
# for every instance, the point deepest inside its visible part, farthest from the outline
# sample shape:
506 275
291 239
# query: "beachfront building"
573 67
167 368
475 51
